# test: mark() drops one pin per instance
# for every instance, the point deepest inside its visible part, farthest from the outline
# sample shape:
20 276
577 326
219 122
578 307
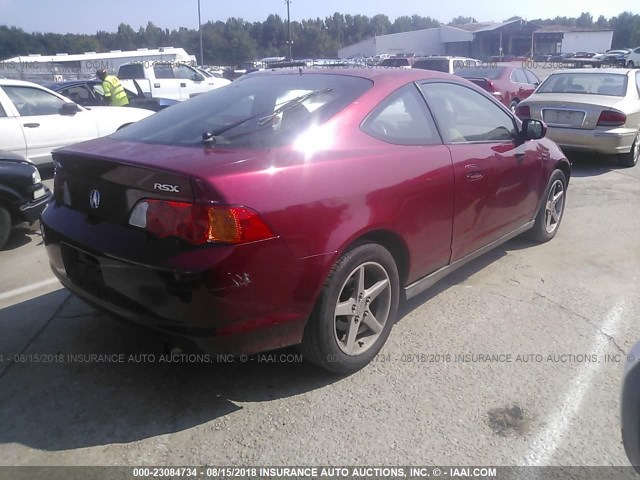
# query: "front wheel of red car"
552 209
355 312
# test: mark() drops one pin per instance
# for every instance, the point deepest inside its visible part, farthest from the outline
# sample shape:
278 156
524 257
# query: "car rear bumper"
240 300
613 141
30 212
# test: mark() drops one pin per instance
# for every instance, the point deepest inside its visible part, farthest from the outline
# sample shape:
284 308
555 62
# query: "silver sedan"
594 110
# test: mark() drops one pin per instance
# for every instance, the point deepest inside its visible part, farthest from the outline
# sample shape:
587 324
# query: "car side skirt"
425 283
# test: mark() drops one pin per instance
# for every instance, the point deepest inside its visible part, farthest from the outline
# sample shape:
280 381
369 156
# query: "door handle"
183 84
473 172
31 125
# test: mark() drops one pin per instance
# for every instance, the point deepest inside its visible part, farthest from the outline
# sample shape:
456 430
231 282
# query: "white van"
447 64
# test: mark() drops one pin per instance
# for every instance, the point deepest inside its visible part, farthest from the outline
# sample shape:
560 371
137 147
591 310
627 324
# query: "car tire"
346 343
554 200
631 159
5 226
630 64
514 105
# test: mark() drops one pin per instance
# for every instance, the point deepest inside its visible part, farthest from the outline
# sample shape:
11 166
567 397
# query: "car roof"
592 71
443 57
372 73
68 83
21 83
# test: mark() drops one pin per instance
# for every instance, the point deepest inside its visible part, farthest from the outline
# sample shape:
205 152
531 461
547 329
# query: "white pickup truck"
177 81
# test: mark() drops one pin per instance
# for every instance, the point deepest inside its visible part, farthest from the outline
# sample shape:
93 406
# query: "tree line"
236 40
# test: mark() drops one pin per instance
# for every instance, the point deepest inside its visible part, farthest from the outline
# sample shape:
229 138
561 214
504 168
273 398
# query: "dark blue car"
89 93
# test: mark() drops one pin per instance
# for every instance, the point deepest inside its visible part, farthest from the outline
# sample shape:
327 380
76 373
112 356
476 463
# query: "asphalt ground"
516 359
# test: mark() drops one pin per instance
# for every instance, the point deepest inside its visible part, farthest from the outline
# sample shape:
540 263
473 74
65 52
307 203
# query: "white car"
34 120
633 59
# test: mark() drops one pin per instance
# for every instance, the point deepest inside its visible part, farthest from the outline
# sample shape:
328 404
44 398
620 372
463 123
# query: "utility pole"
200 29
288 2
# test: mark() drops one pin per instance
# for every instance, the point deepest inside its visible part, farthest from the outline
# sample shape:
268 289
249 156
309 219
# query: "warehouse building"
514 38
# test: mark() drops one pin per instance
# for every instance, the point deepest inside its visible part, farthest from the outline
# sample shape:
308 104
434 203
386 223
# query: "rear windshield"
256 112
613 84
490 73
395 62
439 65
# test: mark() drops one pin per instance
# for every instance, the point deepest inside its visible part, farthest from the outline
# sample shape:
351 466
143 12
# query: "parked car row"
622 57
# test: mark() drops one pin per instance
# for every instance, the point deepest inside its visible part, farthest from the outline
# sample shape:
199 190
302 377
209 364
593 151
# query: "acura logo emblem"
94 199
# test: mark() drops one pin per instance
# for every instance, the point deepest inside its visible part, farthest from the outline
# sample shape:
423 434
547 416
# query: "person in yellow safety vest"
114 92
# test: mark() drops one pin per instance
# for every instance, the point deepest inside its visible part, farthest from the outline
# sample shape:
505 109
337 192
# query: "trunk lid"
580 111
105 178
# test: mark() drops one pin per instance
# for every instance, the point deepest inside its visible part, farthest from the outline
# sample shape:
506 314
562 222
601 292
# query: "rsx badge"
165 187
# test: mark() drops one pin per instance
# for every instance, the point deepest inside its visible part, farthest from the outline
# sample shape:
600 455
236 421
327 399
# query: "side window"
163 71
134 71
531 77
402 119
182 71
2 112
518 76
464 115
78 94
33 101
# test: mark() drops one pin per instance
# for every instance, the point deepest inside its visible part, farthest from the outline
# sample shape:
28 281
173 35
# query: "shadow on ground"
23 234
592 165
50 405
59 405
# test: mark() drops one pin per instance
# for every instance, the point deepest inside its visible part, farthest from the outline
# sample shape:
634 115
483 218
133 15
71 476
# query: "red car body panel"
431 205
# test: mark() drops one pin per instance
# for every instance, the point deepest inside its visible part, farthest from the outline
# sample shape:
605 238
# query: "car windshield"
257 112
490 73
612 84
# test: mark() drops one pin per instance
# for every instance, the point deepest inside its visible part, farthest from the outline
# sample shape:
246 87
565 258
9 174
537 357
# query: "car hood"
7 156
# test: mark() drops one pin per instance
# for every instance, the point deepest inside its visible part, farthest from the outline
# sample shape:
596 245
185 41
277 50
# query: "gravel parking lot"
514 360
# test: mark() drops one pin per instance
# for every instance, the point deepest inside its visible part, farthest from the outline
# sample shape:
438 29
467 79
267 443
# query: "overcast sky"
87 16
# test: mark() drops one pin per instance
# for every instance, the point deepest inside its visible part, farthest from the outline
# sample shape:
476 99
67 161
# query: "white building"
441 40
586 41
483 40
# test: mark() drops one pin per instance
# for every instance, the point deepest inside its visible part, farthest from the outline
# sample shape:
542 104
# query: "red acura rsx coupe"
298 207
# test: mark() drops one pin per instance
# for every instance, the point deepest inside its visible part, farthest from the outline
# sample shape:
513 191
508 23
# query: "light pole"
200 30
289 28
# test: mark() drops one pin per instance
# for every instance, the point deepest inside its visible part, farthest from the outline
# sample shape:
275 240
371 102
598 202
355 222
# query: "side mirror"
533 129
69 108
198 77
630 407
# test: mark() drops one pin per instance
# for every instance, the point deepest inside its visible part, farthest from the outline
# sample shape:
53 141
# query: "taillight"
199 224
523 111
611 118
